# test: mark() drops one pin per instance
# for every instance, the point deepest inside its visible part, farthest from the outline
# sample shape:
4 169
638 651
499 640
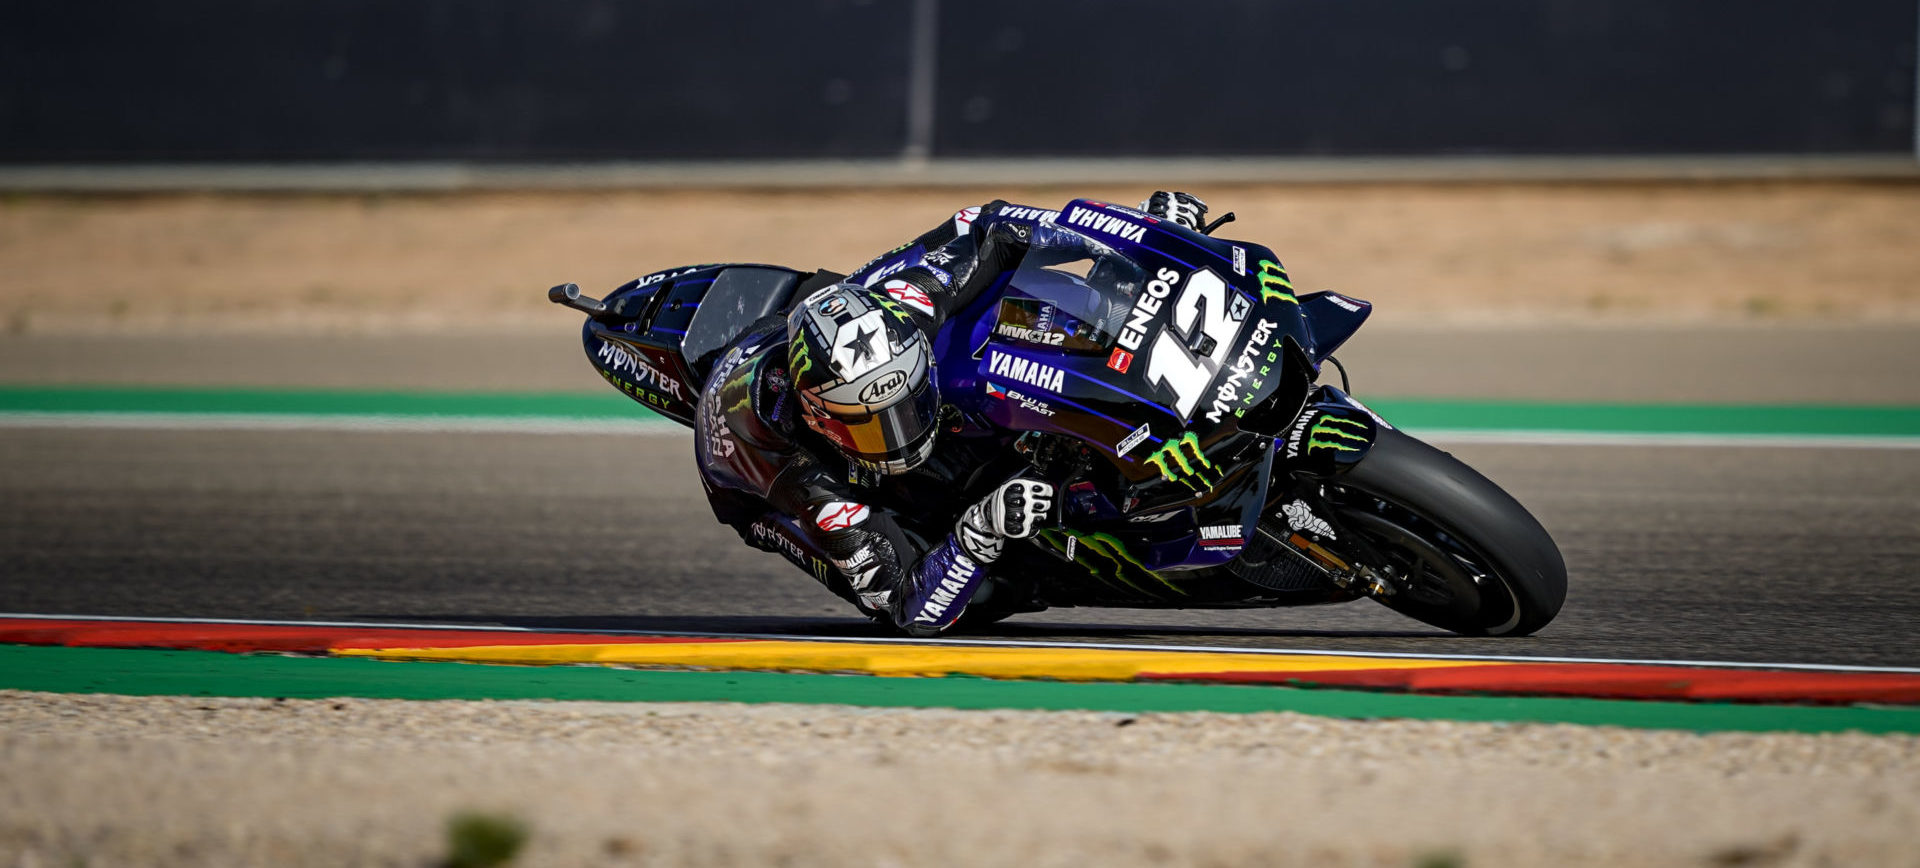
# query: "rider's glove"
1013 511
1185 209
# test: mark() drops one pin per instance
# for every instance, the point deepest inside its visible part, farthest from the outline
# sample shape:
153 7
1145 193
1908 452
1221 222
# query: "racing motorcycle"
1169 383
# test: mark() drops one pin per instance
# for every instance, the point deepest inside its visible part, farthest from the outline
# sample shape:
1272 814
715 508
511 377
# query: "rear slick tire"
1478 562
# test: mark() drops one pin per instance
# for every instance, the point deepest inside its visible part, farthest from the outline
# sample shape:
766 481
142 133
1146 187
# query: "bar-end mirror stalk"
569 295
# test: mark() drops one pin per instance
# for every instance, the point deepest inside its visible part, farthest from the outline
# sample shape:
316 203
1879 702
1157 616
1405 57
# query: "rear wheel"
1467 556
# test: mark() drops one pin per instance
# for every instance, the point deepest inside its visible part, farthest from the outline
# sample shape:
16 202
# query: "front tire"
1473 559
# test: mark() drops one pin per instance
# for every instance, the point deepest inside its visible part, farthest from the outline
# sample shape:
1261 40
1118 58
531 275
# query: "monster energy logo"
1274 284
1180 460
1107 560
893 307
799 359
1328 432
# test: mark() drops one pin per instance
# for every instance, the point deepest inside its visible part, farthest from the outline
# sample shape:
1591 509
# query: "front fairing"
1148 342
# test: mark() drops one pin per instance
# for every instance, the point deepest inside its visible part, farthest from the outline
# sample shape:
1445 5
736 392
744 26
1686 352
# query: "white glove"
1013 511
1185 209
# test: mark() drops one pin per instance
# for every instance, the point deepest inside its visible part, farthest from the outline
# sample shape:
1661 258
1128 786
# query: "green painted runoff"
1422 413
206 673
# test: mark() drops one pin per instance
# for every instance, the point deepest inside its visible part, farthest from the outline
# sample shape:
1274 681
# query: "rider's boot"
936 591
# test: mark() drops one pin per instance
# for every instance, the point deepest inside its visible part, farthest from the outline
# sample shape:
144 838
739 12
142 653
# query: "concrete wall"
116 80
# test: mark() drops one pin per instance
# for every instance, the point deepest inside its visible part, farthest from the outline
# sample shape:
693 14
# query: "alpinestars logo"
1274 285
1032 373
1301 517
1106 224
1181 460
840 515
963 220
909 295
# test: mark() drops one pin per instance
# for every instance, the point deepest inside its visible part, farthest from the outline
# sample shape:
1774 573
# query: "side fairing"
1151 369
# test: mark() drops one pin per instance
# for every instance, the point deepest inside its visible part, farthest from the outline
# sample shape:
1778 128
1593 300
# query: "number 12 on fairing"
1202 302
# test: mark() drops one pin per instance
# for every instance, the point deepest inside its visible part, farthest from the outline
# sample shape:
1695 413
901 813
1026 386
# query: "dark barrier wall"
84 80
1425 76
466 79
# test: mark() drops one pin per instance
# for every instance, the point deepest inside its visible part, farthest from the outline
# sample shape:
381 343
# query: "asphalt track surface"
1750 554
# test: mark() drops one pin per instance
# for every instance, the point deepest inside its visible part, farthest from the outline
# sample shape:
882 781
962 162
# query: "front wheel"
1469 557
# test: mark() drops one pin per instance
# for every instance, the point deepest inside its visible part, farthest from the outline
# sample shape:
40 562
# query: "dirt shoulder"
1421 252
104 780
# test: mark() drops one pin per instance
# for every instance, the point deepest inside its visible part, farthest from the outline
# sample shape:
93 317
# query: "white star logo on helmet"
860 346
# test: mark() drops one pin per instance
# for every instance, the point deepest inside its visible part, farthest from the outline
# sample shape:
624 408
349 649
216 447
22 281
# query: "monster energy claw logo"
1274 284
800 359
1180 460
1329 432
1107 560
893 307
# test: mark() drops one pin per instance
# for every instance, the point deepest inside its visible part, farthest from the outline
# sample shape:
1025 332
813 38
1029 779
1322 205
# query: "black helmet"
863 371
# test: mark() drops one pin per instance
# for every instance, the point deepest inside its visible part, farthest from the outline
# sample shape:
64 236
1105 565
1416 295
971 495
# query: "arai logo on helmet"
885 387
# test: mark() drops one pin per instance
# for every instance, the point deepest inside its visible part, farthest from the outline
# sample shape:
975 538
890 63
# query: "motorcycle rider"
807 414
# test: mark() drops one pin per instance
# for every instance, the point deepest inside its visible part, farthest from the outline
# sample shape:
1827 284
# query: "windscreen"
1070 292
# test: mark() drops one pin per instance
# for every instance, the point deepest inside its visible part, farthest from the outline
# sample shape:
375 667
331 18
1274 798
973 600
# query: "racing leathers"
788 490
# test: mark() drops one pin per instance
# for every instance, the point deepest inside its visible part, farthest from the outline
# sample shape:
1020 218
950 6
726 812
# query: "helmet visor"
888 434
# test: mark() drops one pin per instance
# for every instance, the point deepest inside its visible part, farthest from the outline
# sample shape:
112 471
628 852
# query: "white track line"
563 426
1634 438
337 422
990 643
